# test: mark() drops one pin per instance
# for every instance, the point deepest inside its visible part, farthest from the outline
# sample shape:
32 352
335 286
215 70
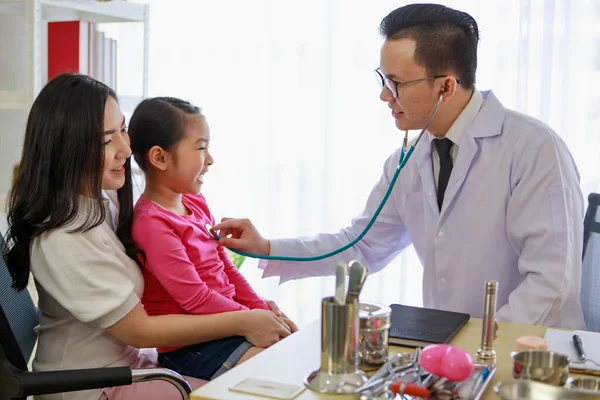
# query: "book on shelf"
79 47
68 47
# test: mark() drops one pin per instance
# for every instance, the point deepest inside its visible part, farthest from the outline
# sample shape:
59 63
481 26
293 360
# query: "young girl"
185 270
60 227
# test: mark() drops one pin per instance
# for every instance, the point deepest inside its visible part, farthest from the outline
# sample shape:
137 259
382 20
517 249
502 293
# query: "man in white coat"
488 194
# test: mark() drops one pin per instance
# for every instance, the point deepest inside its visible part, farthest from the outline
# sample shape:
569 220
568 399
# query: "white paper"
562 342
268 388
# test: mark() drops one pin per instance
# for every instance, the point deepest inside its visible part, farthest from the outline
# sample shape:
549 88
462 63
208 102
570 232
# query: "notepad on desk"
562 342
266 388
419 327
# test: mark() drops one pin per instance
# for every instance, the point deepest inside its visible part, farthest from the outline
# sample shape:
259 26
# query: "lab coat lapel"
487 123
425 166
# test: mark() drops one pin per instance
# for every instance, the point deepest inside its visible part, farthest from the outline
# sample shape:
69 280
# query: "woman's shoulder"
74 235
65 249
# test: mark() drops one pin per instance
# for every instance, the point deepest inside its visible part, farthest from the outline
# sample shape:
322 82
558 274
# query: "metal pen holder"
339 371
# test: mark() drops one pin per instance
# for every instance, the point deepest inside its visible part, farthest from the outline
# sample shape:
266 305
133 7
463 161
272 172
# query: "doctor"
489 193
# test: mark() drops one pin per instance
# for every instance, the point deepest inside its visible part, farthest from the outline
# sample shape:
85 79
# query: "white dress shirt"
456 131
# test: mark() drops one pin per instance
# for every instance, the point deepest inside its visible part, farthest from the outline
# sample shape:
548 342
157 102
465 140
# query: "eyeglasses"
393 85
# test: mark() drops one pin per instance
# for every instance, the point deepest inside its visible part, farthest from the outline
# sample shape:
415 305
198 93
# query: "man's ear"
448 88
158 157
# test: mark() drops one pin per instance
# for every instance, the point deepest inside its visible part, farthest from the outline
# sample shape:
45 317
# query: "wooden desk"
292 359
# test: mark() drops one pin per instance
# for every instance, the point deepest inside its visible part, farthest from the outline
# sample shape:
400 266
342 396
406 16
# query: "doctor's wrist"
266 247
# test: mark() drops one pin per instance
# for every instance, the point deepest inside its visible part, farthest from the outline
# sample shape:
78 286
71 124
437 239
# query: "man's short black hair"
446 39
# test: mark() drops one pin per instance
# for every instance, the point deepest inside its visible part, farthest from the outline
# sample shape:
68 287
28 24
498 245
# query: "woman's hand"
263 328
290 324
244 236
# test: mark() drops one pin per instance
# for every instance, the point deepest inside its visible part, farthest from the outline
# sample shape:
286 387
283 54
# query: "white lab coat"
512 212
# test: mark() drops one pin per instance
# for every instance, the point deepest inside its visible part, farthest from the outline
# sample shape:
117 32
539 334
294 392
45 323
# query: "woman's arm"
260 327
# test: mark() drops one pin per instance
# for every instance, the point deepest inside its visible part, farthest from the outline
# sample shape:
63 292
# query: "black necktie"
443 149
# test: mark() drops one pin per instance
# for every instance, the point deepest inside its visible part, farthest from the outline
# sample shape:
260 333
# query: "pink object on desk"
447 362
531 343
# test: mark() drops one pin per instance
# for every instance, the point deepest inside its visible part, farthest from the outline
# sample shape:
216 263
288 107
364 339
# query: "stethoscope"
405 154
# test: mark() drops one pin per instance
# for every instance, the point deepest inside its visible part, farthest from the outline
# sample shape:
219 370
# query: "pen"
579 347
480 382
482 377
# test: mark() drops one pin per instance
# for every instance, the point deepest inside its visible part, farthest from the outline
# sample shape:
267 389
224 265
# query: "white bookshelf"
23 59
93 11
39 12
88 10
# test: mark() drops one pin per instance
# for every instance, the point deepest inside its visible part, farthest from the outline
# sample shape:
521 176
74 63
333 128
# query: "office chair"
590 271
18 318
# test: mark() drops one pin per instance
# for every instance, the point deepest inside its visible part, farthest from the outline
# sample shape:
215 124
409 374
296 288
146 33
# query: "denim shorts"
206 360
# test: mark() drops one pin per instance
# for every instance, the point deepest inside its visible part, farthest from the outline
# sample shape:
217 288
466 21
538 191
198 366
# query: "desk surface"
292 359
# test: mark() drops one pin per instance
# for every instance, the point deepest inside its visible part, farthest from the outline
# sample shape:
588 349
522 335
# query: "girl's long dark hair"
62 158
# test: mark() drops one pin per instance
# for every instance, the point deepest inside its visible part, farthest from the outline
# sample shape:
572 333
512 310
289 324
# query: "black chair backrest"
18 318
590 268
589 222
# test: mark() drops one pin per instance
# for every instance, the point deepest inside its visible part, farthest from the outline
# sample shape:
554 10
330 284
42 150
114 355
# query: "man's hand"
241 235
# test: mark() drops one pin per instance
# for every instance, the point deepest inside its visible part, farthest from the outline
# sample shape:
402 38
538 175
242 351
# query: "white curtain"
298 133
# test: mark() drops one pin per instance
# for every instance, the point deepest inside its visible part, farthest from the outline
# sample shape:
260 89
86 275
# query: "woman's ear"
157 157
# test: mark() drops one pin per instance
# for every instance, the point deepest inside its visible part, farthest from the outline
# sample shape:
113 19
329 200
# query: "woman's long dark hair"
63 157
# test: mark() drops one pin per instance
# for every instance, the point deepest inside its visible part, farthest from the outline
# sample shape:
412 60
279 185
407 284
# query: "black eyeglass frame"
393 85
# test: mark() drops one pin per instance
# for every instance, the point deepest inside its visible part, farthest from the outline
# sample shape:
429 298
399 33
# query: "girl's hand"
290 324
263 328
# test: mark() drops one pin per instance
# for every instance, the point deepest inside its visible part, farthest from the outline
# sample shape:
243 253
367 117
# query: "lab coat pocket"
410 205
561 202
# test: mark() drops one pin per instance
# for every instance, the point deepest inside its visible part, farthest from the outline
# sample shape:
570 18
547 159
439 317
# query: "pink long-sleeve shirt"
186 270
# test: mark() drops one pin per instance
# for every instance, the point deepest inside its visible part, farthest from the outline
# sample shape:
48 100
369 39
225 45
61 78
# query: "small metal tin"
374 325
541 365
